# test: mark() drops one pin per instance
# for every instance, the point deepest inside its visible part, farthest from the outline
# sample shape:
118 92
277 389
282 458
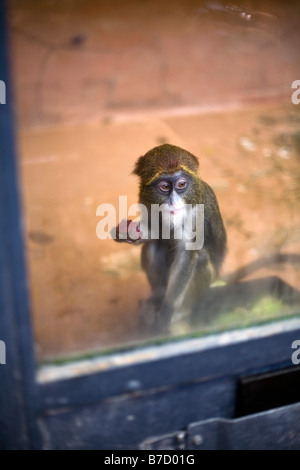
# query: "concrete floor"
97 84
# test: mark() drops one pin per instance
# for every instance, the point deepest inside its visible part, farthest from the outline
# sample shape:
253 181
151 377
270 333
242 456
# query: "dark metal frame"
18 387
118 408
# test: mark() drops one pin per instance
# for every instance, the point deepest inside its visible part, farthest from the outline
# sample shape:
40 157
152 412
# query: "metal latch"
267 416
273 429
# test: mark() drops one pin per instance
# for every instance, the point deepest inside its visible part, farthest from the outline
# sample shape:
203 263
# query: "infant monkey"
179 273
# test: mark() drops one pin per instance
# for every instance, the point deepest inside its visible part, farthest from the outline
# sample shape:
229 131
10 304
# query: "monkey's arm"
182 275
171 285
215 239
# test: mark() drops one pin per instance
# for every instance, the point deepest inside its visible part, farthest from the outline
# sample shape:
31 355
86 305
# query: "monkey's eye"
181 184
164 186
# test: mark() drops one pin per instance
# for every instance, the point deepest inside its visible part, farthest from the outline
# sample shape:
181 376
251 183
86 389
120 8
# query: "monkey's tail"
248 269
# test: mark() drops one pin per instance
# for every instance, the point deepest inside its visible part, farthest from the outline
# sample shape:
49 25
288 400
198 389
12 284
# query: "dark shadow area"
243 297
266 261
263 392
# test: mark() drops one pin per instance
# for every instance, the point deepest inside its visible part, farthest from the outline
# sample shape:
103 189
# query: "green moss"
264 308
218 283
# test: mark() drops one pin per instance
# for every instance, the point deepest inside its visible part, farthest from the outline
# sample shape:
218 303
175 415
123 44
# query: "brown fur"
165 159
178 277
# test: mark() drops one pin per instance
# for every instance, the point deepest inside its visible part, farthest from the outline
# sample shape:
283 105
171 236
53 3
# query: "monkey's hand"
127 231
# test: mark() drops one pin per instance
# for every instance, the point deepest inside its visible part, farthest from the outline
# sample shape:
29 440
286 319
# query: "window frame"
25 402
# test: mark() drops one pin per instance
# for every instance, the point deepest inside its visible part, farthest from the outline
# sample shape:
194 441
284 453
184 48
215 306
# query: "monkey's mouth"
176 211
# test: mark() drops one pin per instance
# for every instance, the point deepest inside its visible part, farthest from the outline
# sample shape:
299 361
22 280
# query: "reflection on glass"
99 85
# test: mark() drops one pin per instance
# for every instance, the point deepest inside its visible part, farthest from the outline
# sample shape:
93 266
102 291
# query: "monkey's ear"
139 166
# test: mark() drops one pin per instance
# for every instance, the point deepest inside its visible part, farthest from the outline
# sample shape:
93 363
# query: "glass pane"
97 85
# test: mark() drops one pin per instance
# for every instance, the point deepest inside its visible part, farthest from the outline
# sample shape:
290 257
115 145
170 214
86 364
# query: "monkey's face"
168 175
170 190
170 200
174 190
164 198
